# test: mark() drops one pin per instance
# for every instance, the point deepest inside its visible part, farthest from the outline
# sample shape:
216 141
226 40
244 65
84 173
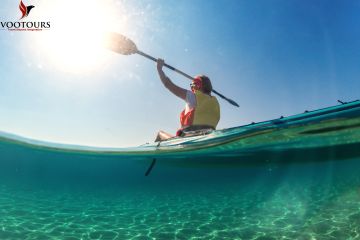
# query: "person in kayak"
202 111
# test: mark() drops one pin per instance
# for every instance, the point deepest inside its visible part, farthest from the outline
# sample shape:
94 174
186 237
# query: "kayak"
320 135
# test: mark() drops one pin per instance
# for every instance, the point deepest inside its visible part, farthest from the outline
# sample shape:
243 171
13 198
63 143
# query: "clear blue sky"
273 57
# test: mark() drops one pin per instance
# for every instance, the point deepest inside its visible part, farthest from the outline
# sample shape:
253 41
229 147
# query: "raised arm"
176 90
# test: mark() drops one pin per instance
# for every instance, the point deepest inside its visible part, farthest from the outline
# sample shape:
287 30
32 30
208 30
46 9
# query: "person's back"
207 110
202 111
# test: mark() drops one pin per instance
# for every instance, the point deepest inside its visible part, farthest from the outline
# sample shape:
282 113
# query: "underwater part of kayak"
321 135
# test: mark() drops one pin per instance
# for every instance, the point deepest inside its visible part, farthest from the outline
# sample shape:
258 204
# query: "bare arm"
176 90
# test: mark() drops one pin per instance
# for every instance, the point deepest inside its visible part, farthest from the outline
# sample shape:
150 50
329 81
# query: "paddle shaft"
166 65
186 75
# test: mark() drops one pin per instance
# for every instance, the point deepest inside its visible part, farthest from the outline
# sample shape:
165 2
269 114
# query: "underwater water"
289 181
85 197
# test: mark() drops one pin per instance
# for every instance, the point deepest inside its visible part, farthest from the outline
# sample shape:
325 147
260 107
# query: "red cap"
196 84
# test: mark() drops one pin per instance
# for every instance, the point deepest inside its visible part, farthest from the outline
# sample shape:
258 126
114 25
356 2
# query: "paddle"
123 45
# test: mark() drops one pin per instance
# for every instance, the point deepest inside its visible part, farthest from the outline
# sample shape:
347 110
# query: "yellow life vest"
206 112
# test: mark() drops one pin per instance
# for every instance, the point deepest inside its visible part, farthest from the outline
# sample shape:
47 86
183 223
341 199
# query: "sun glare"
75 41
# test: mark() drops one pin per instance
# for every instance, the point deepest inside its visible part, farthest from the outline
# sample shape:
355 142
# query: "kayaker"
202 111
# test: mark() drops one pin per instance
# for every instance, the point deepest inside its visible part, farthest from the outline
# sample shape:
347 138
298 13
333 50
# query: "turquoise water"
295 180
316 201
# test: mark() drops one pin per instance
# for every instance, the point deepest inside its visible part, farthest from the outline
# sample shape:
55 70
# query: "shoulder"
189 94
190 98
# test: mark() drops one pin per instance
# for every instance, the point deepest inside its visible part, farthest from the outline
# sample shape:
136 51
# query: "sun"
75 41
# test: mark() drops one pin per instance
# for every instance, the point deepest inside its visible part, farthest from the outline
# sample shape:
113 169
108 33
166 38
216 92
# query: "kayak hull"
321 135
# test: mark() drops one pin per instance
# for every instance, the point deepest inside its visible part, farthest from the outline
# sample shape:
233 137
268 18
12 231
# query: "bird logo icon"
25 10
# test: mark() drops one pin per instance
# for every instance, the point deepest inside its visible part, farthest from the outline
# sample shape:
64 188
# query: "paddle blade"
119 44
232 102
